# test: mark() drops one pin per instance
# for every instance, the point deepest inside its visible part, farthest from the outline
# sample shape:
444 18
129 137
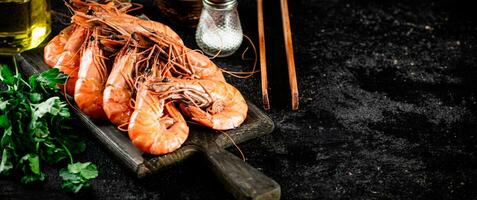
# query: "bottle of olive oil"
24 24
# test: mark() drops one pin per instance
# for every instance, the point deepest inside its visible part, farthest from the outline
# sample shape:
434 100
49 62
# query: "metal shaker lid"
220 2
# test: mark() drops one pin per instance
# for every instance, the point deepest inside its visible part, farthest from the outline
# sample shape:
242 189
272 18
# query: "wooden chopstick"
263 58
289 51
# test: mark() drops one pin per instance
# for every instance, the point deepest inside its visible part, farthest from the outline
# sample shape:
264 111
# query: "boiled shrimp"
214 104
91 81
156 127
69 60
117 94
55 47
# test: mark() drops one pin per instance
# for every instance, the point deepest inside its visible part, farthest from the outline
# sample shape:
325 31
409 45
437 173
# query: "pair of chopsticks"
289 52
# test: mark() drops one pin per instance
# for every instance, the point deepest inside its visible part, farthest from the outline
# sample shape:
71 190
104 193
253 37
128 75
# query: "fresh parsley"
35 130
77 176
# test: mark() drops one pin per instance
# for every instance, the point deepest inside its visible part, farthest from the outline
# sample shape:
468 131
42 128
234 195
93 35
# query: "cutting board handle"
241 179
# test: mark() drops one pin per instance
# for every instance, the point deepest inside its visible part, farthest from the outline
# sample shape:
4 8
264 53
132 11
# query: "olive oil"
24 24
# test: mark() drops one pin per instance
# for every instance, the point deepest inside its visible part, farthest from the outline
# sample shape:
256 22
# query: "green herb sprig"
34 130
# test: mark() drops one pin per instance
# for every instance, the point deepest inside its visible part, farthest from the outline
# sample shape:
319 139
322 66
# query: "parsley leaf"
77 176
47 80
30 164
35 128
6 75
5 164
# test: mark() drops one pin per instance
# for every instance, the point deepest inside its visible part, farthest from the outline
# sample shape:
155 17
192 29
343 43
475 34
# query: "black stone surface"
388 109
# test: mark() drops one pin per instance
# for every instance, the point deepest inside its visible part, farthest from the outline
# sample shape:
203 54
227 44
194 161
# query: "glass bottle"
24 24
219 28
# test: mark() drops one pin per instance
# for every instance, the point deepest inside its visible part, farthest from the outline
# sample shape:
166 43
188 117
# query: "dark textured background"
388 109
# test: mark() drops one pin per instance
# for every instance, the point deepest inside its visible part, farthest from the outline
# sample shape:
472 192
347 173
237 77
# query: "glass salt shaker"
219 28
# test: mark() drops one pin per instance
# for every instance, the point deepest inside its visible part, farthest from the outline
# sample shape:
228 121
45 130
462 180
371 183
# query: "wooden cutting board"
239 178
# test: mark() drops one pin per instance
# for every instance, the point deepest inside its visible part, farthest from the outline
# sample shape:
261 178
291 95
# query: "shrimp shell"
156 127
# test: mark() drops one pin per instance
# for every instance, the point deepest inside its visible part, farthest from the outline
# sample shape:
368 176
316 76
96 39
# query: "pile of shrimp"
139 75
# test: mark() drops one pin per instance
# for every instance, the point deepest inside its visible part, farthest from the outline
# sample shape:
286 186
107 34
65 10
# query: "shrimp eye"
165 80
90 12
134 36
113 37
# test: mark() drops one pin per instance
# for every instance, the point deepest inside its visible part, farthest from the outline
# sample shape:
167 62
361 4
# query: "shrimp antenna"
235 144
248 74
